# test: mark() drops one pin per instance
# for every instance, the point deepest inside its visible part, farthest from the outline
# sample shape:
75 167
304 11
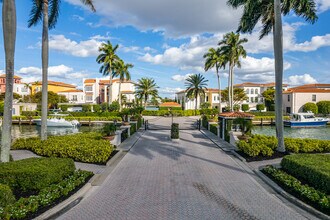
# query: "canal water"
322 133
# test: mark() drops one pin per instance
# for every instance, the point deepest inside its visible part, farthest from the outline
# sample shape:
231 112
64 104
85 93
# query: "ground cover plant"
83 147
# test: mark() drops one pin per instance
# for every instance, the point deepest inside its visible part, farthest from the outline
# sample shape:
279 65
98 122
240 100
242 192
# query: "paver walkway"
185 179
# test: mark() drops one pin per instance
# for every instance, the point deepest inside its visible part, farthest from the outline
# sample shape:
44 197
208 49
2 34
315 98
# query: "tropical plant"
310 106
232 49
239 96
47 11
269 96
53 99
9 39
195 87
108 58
29 87
154 101
323 107
269 13
214 58
121 70
109 129
144 88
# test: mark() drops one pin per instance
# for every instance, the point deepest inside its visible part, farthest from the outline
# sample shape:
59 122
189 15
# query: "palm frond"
54 11
35 13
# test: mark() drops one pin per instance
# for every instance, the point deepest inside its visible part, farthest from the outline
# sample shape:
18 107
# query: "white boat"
305 119
58 121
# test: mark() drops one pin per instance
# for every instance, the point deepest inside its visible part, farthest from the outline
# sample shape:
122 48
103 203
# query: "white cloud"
301 79
169 92
323 5
77 18
180 78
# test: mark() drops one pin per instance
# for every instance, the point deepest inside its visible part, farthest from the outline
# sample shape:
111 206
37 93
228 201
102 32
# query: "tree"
15 96
323 107
269 13
29 87
144 88
108 58
53 99
239 96
195 86
269 96
231 47
47 11
260 107
310 106
214 58
205 105
245 107
121 70
154 101
9 39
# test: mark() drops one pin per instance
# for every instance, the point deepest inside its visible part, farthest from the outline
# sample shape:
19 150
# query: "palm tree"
144 88
47 11
108 58
29 87
9 39
233 50
196 85
214 58
122 72
269 13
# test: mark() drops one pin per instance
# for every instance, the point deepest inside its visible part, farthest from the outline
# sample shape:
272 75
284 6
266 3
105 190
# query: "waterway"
322 133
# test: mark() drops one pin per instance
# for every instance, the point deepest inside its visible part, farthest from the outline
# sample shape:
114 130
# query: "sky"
166 40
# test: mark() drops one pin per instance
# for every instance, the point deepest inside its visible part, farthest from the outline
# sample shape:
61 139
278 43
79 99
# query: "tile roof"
306 90
127 91
54 83
15 77
90 81
170 104
249 84
71 90
236 115
107 81
313 86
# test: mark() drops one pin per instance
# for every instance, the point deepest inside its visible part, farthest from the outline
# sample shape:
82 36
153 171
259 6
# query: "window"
256 91
251 99
251 91
74 98
214 98
207 98
89 98
88 88
256 99
314 98
218 98
288 98
247 91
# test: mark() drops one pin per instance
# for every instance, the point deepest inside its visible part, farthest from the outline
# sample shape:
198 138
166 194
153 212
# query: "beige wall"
297 100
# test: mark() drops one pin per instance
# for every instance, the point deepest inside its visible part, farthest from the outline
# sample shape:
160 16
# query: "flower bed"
83 147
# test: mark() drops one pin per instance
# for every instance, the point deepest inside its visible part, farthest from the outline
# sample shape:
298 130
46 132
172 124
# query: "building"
18 108
295 98
52 87
97 90
170 105
74 96
254 92
18 87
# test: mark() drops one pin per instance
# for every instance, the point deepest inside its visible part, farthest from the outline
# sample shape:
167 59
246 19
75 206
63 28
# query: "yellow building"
52 87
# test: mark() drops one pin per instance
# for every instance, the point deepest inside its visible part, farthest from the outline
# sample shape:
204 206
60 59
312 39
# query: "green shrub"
34 174
271 107
86 108
269 113
175 131
312 168
48 196
63 107
172 108
96 108
6 195
245 107
310 106
323 107
260 107
308 194
95 118
214 129
236 107
83 147
167 113
29 113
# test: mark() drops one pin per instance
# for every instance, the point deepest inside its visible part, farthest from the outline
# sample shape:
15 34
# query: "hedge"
175 131
26 208
83 147
314 169
172 108
214 129
306 193
310 106
265 145
6 195
245 107
34 174
168 113
323 107
95 118
261 107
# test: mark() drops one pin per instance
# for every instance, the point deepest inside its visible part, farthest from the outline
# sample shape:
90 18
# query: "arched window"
251 91
256 91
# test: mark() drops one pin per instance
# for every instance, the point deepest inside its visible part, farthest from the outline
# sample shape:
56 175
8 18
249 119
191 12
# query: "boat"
305 119
57 120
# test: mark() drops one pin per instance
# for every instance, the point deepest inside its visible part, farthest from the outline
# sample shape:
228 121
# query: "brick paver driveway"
186 179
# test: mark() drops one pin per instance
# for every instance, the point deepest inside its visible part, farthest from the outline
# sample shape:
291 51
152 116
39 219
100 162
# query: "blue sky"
166 40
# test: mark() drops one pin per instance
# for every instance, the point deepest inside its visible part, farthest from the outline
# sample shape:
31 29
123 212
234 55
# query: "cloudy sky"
166 40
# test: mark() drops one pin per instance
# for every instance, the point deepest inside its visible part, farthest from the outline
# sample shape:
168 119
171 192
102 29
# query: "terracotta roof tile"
170 104
249 84
71 90
90 81
15 77
306 90
54 83
236 115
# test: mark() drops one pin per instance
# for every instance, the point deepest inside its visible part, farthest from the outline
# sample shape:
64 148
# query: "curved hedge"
83 147
6 195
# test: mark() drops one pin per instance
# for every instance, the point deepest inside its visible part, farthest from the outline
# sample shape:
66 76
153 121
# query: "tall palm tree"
47 11
269 13
122 72
108 58
29 87
231 47
214 58
195 86
144 88
9 39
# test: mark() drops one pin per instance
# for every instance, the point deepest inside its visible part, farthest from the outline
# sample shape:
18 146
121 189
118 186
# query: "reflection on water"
315 133
25 131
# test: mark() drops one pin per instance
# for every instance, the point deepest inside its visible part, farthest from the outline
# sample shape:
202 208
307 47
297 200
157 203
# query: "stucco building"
53 86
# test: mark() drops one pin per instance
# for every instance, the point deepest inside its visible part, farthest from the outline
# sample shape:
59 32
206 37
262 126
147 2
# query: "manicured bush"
310 106
6 196
86 108
96 108
245 107
26 207
63 107
271 107
83 147
133 128
314 169
213 129
34 174
173 108
260 107
306 193
175 131
96 118
268 113
29 113
167 113
323 107
299 145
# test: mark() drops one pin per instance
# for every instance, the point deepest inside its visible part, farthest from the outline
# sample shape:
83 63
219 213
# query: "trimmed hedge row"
168 113
83 147
6 195
34 174
306 193
110 118
265 145
214 129
26 207
314 169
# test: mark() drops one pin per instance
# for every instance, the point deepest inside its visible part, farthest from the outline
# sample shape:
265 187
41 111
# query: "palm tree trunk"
229 88
196 97
232 89
9 36
110 90
119 98
219 87
278 53
44 54
145 101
